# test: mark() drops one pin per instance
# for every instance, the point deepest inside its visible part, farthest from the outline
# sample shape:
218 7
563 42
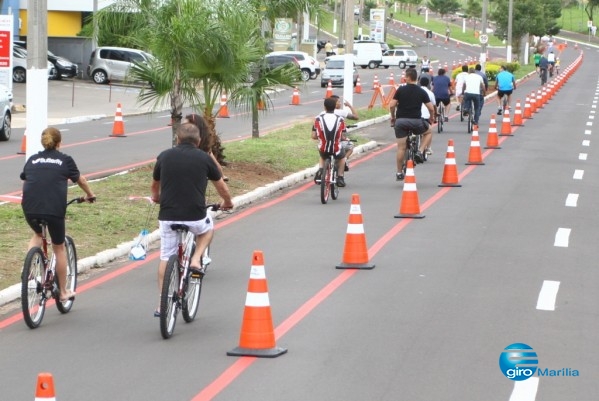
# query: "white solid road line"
547 296
562 237
525 390
572 200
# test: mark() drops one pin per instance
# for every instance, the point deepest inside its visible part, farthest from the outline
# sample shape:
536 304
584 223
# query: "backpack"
332 132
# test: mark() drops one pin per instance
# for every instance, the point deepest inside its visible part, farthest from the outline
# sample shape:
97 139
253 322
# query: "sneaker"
346 166
446 119
465 113
419 157
429 151
499 111
457 108
340 182
317 176
399 176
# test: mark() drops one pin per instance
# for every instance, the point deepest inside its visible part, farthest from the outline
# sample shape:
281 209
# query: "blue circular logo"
518 362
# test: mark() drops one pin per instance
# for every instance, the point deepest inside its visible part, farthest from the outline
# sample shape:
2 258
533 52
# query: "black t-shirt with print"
45 188
183 172
410 98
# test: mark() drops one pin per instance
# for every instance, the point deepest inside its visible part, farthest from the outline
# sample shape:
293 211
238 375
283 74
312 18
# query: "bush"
491 68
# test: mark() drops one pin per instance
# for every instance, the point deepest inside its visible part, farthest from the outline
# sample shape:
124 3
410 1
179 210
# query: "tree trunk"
255 129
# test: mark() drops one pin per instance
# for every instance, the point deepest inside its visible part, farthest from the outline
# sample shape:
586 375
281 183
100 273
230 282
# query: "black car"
270 62
62 66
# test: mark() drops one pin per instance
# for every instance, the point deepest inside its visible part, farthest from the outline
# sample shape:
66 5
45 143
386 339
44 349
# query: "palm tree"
202 49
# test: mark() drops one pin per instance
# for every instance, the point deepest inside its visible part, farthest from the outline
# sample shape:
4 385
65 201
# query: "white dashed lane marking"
572 200
525 390
578 174
562 237
582 156
547 296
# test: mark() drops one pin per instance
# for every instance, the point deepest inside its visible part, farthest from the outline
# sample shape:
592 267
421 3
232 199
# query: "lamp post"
510 15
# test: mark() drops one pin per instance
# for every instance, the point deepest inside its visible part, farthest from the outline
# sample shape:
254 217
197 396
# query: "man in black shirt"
179 184
406 116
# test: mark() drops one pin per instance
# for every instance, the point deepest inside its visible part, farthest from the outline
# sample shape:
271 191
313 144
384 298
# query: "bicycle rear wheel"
334 188
65 307
191 301
325 181
169 298
32 301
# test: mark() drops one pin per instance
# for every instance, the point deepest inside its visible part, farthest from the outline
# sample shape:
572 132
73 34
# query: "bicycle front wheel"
325 182
32 301
169 298
191 300
65 307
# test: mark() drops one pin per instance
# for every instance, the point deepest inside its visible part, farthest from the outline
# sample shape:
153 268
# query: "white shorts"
168 237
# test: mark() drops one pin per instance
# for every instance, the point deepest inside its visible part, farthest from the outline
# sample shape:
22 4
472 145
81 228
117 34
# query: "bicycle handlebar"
82 199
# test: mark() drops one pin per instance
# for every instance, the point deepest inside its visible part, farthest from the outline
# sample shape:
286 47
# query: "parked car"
308 64
62 66
113 63
400 58
334 71
5 107
270 62
19 65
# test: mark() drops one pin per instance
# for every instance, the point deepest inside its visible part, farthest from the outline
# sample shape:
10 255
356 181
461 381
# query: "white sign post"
6 27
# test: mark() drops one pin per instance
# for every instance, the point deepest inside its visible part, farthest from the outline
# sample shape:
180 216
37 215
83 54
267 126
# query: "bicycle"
39 281
328 180
412 146
182 287
440 117
470 115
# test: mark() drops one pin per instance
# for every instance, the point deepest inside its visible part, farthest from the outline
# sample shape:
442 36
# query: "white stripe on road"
548 295
586 143
572 200
582 156
578 174
525 390
587 132
562 237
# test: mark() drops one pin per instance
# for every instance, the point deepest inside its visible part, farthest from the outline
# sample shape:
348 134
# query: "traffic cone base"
118 128
409 207
23 149
257 332
355 253
45 388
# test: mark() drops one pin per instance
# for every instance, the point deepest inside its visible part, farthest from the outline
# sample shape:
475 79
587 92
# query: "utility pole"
348 73
36 90
483 31
510 16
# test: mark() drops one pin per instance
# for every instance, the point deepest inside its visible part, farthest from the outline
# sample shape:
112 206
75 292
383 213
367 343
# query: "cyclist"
328 129
425 63
459 84
472 89
543 67
426 115
45 196
478 69
179 184
442 90
406 116
551 60
505 84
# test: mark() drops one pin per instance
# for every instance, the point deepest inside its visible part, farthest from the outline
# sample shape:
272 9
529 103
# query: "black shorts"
340 155
404 125
500 93
445 101
56 226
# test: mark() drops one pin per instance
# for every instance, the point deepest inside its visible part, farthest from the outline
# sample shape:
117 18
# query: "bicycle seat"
179 227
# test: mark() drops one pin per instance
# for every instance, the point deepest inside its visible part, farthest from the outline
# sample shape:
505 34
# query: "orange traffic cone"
539 99
391 80
23 149
518 114
257 331
295 98
329 90
533 102
492 140
527 108
450 171
475 156
355 253
506 125
118 128
375 82
409 207
261 105
403 77
358 88
44 390
223 112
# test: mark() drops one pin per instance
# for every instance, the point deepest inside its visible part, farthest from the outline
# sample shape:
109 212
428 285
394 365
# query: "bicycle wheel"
334 188
440 120
32 301
470 122
191 299
325 181
462 112
169 298
65 307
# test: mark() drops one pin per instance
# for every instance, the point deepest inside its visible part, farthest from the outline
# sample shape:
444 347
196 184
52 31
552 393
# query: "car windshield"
335 64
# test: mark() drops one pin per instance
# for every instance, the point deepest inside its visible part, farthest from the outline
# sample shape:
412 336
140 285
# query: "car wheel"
99 77
314 76
19 75
55 74
372 65
5 130
305 75
386 66
322 84
402 64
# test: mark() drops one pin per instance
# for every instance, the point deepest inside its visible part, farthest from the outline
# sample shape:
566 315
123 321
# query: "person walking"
328 49
45 177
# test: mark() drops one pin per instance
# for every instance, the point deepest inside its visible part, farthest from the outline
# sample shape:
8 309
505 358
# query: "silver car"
5 106
113 63
334 71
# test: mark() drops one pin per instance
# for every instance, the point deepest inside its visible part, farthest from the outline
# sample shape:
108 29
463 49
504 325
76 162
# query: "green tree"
202 49
444 7
474 8
590 7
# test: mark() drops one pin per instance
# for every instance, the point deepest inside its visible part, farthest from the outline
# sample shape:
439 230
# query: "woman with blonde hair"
45 177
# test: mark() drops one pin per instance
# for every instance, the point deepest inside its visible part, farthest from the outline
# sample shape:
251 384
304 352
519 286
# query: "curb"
14 291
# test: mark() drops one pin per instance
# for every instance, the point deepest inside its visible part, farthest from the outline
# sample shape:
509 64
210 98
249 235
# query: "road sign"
483 39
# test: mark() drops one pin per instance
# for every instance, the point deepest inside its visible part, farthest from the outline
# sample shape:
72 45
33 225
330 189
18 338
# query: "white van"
368 54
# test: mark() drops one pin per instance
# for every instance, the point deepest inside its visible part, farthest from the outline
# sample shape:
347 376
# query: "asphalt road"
449 292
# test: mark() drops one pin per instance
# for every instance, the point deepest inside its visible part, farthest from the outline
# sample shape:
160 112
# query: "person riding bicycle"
551 60
348 113
505 84
442 90
46 175
459 84
472 88
425 63
180 178
328 129
426 115
406 117
543 67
